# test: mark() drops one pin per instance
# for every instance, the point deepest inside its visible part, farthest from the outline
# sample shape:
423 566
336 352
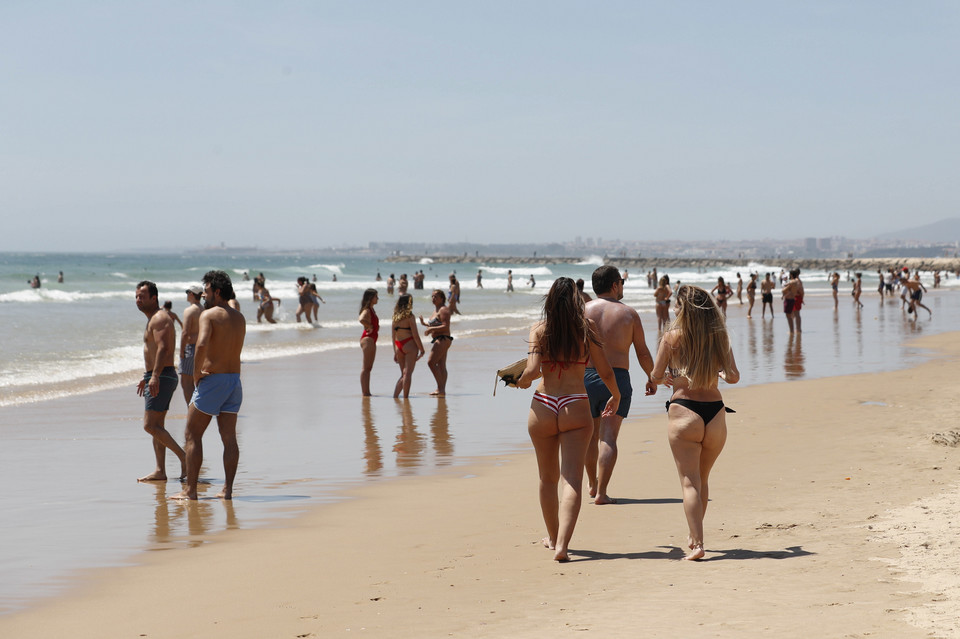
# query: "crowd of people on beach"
580 351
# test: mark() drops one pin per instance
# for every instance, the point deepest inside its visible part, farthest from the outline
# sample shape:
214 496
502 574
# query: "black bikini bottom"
706 410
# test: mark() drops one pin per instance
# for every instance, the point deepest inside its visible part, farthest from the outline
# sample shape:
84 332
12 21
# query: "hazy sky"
314 124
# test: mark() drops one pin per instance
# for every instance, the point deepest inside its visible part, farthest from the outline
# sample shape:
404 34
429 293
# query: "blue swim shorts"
599 394
218 393
186 362
168 384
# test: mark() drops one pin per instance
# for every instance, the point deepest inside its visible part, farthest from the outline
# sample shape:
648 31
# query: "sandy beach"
831 516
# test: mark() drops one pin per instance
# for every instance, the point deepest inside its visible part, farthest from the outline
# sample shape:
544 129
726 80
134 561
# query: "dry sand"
831 516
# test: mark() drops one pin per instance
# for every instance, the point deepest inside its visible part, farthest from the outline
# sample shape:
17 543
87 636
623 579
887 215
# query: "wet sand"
449 548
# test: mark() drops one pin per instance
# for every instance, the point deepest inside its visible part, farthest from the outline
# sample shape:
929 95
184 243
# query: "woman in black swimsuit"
438 330
693 355
722 292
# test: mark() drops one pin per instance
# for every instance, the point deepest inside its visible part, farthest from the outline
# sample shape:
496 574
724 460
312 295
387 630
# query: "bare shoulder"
671 337
160 321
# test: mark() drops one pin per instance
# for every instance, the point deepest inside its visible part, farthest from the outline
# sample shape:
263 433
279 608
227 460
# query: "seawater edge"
869 264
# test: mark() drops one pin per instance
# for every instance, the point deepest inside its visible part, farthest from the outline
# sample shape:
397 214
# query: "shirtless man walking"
159 381
217 377
188 340
620 329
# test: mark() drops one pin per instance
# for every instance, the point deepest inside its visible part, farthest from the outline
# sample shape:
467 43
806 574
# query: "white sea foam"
73 367
592 260
57 295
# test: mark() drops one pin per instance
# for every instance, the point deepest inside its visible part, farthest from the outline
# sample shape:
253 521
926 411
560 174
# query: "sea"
71 444
83 335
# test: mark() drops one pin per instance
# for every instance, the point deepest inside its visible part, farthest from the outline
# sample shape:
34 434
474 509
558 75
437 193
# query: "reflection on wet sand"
440 432
372 454
178 521
793 360
409 443
768 339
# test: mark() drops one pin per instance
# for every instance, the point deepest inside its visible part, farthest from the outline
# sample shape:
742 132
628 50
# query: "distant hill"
942 232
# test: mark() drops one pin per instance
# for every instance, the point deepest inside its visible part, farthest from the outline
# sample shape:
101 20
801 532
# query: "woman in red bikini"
407 347
560 423
693 356
368 339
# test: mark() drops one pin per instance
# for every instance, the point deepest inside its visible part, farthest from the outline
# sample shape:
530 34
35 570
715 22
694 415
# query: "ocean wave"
592 260
73 367
333 268
37 295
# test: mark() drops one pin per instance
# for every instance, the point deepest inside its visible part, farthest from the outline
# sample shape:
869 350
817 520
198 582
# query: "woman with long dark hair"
368 339
694 355
560 423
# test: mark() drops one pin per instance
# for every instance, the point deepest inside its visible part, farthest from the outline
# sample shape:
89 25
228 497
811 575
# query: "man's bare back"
220 340
620 329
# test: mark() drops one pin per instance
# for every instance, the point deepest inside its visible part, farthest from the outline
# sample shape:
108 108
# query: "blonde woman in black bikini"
693 355
407 347
560 424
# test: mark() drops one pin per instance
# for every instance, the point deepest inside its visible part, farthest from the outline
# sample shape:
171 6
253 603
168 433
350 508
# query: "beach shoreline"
810 467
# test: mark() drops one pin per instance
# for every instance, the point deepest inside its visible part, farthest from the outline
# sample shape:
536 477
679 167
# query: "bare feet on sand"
561 555
593 492
182 495
696 552
437 393
154 476
604 499
547 543
225 494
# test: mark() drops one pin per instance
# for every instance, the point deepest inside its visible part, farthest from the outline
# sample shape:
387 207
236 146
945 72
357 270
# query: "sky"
320 124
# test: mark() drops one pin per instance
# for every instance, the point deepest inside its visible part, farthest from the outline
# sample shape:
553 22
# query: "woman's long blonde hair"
565 326
403 309
703 347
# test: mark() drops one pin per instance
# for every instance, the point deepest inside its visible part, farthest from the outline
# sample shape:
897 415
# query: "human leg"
227 424
607 458
153 423
369 349
576 427
410 361
438 364
685 434
542 427
592 457
197 422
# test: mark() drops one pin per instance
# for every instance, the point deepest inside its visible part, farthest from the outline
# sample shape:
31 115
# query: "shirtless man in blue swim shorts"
160 379
620 330
188 340
216 373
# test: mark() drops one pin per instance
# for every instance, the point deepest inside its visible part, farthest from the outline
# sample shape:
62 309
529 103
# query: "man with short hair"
620 329
188 340
160 379
216 374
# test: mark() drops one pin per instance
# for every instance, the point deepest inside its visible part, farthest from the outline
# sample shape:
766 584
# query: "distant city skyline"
290 125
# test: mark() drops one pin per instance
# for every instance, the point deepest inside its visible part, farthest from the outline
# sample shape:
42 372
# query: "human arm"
730 373
416 337
659 374
163 335
599 361
643 354
534 356
364 320
200 350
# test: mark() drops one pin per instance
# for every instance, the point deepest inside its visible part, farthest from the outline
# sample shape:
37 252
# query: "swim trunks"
218 393
186 362
168 384
788 306
767 298
598 392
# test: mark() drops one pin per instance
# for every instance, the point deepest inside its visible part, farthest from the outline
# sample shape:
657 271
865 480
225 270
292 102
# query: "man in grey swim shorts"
188 340
160 379
620 329
216 374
